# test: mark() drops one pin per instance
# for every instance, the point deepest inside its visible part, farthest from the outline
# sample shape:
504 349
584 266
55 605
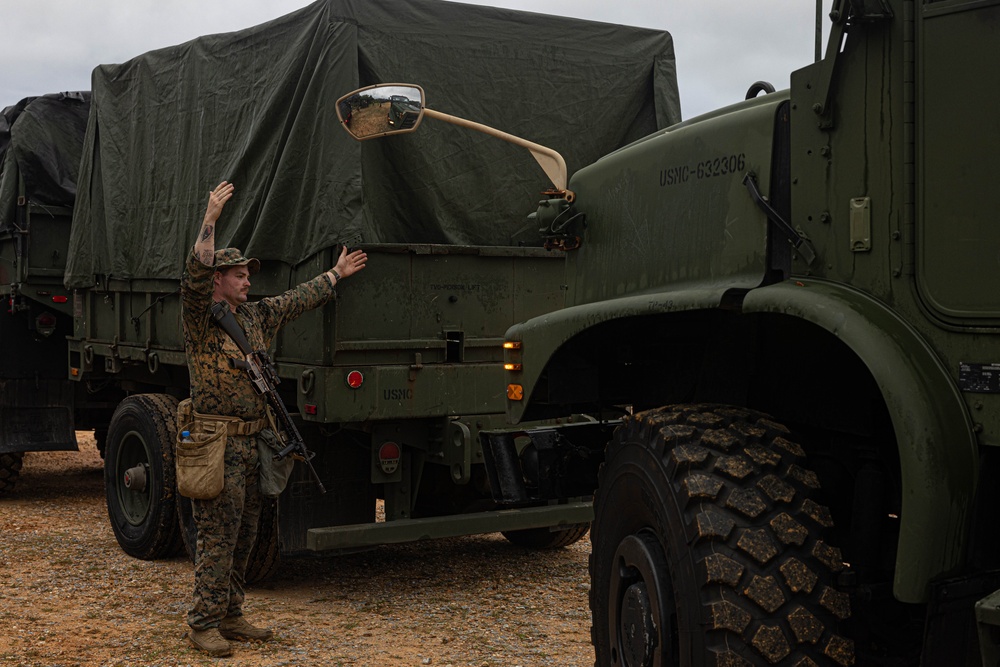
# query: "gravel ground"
70 596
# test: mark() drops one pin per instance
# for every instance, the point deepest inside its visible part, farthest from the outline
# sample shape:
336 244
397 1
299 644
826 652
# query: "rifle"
265 380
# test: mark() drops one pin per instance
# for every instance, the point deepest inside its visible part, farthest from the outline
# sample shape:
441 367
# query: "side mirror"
381 110
395 108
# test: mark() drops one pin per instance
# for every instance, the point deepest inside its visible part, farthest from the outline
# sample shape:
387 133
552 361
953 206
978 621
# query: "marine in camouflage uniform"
227 524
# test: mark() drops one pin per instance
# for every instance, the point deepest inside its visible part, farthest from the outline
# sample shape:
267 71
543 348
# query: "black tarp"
41 140
257 107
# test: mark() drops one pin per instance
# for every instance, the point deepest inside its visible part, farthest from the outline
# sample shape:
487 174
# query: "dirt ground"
70 596
370 120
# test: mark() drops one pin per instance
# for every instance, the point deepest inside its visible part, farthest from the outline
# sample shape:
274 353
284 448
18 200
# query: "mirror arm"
550 160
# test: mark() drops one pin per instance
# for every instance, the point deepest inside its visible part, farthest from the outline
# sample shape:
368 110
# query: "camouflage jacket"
216 387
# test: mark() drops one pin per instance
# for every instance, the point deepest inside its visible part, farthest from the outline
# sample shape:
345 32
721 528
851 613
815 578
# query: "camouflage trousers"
227 528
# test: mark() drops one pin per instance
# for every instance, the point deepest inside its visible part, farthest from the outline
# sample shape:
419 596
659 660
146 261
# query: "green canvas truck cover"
41 140
257 107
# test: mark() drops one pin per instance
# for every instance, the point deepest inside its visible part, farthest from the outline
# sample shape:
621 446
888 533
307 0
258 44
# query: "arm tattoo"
207 231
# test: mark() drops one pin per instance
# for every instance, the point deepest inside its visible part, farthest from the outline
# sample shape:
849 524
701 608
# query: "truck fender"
937 445
540 337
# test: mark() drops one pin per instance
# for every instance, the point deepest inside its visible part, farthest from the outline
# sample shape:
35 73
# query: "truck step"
412 530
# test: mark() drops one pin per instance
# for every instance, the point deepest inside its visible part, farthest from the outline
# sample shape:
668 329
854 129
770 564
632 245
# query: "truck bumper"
412 530
560 461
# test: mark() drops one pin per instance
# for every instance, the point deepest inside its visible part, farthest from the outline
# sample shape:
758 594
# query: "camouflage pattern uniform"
227 525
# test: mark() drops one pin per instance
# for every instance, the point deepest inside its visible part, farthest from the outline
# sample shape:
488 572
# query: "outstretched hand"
217 199
204 245
350 263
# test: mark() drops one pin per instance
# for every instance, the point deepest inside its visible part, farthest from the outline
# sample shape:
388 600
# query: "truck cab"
787 304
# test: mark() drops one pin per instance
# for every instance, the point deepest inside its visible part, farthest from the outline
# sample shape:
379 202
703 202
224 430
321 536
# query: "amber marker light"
512 345
512 367
515 392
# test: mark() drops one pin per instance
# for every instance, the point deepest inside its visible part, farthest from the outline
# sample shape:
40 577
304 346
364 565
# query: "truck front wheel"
707 546
139 476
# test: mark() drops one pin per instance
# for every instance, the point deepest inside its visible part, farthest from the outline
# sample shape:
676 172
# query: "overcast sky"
722 46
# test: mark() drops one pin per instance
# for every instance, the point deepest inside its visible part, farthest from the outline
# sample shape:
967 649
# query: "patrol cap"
233 257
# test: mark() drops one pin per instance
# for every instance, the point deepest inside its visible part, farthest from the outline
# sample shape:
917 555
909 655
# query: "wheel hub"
133 486
638 632
642 617
135 478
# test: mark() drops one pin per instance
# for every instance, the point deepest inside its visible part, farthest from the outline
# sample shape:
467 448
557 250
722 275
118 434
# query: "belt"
240 427
235 425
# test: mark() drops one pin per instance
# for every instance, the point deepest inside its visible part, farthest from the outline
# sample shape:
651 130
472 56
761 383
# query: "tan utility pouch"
185 414
200 461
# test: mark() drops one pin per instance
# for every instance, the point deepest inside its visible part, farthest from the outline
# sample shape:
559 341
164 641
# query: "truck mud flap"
546 463
36 429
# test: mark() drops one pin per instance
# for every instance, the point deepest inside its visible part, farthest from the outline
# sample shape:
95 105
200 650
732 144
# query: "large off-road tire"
140 444
10 470
708 549
545 538
266 553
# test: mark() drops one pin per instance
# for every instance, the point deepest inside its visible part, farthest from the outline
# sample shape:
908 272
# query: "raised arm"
204 246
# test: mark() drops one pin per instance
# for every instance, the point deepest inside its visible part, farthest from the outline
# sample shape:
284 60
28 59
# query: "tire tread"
753 530
10 470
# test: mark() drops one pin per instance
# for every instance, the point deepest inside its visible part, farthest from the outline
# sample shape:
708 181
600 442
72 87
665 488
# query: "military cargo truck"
793 301
791 305
41 140
403 113
392 382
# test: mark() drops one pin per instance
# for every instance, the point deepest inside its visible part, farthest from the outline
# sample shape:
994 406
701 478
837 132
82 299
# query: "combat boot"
209 641
237 627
